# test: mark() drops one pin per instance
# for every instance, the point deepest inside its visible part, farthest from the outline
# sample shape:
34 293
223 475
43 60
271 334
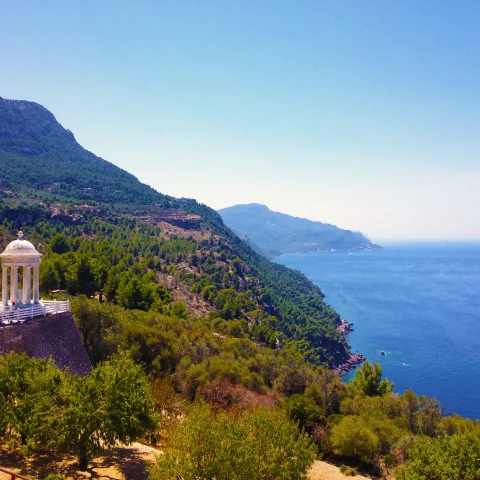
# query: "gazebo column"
36 283
14 284
4 286
27 284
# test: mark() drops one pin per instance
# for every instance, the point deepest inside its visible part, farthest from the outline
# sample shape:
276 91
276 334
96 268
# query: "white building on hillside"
19 305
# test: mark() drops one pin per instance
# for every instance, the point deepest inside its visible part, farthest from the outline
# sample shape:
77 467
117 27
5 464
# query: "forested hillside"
42 156
199 344
55 186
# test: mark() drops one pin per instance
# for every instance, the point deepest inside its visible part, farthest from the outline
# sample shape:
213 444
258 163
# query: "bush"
301 409
352 437
453 457
260 444
349 471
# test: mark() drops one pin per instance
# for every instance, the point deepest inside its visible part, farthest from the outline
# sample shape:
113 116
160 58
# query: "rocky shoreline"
354 359
345 327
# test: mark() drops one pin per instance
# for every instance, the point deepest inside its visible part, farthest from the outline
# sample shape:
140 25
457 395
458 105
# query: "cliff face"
55 336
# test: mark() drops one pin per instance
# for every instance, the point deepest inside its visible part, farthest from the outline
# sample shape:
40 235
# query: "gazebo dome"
20 247
20 254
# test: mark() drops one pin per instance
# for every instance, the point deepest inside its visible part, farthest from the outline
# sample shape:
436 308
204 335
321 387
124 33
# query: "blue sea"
419 303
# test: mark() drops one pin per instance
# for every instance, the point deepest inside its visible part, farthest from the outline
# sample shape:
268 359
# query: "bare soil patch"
125 462
326 471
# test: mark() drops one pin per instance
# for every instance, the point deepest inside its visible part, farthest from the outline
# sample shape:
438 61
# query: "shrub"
352 437
349 471
260 444
453 457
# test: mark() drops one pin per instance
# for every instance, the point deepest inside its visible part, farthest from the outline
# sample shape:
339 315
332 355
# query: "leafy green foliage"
41 154
51 174
352 437
27 387
79 415
368 379
327 390
302 409
452 457
190 350
260 444
111 404
348 471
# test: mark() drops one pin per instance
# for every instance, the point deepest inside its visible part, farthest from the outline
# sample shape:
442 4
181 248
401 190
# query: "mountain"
43 156
273 233
104 233
165 281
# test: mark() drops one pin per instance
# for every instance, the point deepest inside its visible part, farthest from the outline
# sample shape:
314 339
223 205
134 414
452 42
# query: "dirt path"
325 471
119 463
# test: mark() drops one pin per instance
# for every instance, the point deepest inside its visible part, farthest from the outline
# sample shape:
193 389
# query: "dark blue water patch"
419 303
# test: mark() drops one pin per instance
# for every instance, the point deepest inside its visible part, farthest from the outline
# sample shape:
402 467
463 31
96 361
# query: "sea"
419 303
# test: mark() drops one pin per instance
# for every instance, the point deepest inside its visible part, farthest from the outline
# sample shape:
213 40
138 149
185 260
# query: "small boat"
382 352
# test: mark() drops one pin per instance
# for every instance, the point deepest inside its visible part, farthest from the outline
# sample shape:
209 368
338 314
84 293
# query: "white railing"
21 313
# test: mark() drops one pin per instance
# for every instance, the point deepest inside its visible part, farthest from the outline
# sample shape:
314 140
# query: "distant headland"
275 233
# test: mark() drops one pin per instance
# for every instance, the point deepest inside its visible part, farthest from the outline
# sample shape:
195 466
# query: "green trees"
327 389
27 389
452 457
95 322
132 293
429 414
368 379
125 261
301 409
80 277
78 415
49 277
262 444
59 244
111 404
352 437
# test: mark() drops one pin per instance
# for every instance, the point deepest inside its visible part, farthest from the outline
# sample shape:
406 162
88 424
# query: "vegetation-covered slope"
109 218
38 154
273 233
168 290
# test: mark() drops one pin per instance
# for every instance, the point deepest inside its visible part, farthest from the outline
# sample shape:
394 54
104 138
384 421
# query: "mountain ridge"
273 233
31 137
53 186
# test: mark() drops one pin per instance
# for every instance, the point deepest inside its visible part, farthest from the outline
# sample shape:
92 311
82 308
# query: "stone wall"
56 336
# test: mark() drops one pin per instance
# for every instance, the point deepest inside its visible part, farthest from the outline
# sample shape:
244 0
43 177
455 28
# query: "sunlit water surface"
419 303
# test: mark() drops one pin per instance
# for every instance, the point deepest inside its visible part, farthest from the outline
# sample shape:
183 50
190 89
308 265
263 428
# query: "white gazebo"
22 254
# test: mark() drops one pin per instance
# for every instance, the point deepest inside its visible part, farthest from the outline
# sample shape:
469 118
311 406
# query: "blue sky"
365 114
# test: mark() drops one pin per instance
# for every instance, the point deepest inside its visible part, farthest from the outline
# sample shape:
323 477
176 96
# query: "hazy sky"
365 114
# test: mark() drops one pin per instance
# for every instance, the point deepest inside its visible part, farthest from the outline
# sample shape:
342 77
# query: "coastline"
410 301
354 359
